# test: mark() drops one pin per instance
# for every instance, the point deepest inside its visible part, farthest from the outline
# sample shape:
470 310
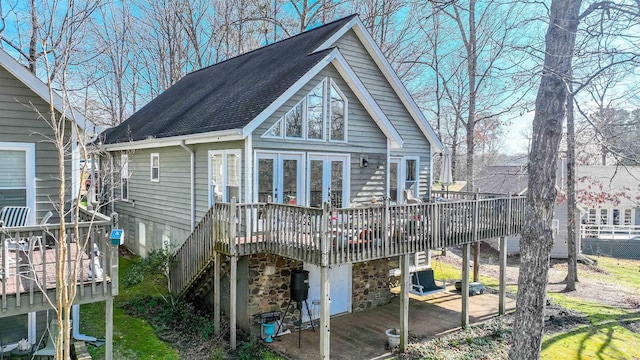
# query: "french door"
328 180
279 176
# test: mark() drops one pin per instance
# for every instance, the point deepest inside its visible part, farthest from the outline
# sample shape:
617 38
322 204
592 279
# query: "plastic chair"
12 216
410 198
50 348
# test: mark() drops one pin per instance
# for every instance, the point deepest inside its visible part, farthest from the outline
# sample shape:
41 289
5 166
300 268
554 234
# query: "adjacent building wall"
159 213
20 121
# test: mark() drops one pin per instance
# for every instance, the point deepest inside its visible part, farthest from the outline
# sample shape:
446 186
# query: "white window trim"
124 174
346 112
404 174
399 179
151 157
30 166
279 122
225 174
326 83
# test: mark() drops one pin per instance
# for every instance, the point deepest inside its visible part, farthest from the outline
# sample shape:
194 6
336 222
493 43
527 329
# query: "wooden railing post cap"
114 220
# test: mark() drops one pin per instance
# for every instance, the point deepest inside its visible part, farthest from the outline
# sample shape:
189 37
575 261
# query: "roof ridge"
349 17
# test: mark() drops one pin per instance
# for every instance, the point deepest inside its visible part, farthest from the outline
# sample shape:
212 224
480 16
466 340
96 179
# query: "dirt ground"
591 288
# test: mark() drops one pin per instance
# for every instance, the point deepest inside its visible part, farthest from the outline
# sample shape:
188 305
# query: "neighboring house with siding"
514 180
28 177
608 200
317 117
609 195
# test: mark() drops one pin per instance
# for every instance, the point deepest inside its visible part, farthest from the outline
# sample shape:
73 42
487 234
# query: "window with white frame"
320 115
411 175
17 174
124 177
337 112
627 216
155 167
224 176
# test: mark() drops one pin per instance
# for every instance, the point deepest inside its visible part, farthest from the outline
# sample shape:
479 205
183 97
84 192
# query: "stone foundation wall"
268 280
370 284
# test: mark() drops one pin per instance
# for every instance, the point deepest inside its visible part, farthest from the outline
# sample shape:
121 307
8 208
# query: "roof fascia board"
367 100
264 115
391 76
40 88
217 136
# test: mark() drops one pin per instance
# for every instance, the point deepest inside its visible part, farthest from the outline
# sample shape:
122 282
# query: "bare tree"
537 237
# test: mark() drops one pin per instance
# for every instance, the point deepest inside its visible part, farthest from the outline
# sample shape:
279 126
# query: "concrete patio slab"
360 335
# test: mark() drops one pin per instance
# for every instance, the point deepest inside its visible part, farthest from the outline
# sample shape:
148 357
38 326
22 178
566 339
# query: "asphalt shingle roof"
229 94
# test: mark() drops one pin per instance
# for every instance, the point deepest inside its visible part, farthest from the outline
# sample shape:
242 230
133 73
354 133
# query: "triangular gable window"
275 131
321 114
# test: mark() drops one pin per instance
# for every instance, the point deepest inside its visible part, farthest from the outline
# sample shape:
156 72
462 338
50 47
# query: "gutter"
193 183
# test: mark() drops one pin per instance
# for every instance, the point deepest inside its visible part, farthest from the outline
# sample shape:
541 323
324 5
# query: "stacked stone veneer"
269 278
370 286
270 275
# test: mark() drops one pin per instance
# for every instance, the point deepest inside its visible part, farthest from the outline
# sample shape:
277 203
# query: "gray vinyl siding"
20 122
368 182
414 141
160 211
157 210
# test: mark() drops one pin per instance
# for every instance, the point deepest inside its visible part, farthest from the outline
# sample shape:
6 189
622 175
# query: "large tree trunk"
572 253
537 239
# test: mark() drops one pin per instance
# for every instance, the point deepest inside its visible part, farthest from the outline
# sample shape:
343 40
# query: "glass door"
328 180
280 177
395 192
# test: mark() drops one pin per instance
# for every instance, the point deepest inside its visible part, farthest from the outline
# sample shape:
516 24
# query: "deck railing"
334 236
29 258
610 232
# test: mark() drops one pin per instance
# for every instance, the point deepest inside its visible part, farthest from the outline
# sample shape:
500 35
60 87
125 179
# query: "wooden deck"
360 335
28 261
327 236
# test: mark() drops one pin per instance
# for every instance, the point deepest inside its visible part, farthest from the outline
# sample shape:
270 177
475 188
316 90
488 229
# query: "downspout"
193 183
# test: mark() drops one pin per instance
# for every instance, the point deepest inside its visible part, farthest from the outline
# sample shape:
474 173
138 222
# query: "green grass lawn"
133 338
605 337
451 273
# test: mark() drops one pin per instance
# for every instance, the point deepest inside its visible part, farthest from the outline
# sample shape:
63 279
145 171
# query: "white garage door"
339 291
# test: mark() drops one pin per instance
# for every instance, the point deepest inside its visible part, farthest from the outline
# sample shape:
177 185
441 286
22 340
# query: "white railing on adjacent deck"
610 232
334 236
29 258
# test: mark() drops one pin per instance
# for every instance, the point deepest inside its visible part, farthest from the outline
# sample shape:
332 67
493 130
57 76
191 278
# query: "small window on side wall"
155 167
124 177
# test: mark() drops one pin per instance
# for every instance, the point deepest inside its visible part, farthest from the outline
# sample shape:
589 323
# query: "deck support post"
216 292
325 320
325 284
503 276
108 331
405 277
465 286
233 294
